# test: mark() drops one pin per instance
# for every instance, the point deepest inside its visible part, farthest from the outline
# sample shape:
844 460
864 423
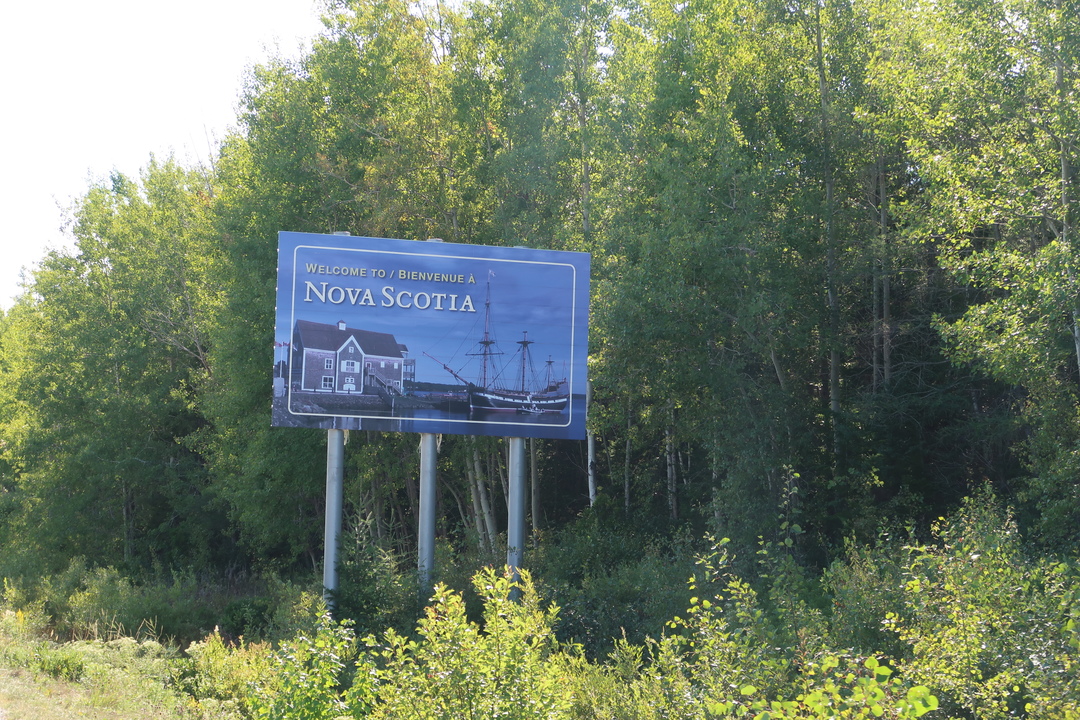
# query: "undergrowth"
965 625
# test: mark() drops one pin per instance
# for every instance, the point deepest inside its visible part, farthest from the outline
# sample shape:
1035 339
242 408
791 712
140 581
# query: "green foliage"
99 365
728 658
852 689
632 600
769 193
55 661
305 681
123 676
998 203
866 586
101 603
374 593
218 678
989 628
722 662
508 667
611 578
837 238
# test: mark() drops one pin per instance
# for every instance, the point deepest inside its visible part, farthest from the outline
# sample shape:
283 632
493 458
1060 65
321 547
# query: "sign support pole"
515 522
591 438
335 474
426 532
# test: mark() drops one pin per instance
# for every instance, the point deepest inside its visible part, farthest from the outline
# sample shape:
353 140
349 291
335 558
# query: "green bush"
218 678
100 603
728 657
865 587
989 628
632 601
308 678
374 593
56 661
247 617
457 670
612 582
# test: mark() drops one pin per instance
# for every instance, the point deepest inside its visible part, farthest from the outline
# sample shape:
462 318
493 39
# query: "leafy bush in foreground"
967 621
993 631
721 662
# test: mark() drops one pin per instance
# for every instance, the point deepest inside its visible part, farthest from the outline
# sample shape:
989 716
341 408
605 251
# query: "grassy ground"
115 680
28 696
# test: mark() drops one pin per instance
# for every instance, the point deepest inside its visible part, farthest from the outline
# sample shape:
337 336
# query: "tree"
350 137
992 126
102 354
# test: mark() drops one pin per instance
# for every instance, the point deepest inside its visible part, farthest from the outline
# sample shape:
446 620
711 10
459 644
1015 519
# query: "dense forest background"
835 293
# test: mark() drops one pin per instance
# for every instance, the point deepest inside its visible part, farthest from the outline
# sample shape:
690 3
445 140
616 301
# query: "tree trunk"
672 475
463 512
1066 196
129 521
413 493
591 440
626 462
581 73
485 499
886 279
378 510
482 541
586 191
501 461
831 282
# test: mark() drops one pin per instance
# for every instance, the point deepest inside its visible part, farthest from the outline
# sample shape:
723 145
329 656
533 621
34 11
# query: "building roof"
321 336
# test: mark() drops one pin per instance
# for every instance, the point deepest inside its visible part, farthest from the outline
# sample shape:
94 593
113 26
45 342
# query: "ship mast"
487 341
525 342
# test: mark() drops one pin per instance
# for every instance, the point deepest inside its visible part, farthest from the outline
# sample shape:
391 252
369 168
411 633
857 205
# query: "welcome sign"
400 335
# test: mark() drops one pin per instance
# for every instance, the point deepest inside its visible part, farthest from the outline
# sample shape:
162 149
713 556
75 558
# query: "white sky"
88 86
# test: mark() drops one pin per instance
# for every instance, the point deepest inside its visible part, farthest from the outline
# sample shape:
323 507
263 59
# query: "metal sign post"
426 531
515 521
335 474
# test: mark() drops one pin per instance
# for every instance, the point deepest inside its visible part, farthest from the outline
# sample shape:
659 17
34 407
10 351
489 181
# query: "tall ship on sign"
524 393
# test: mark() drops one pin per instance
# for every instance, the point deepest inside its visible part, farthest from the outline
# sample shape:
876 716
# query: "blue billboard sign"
400 335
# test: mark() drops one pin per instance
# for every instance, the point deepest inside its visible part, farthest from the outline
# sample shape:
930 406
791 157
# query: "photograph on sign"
408 336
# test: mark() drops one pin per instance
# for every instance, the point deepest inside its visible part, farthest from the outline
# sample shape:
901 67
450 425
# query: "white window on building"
328 364
350 381
352 349
327 382
395 366
350 366
382 364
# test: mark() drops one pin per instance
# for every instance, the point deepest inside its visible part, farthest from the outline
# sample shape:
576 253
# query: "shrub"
56 661
85 603
866 586
219 678
987 627
727 658
455 670
632 600
308 675
374 593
